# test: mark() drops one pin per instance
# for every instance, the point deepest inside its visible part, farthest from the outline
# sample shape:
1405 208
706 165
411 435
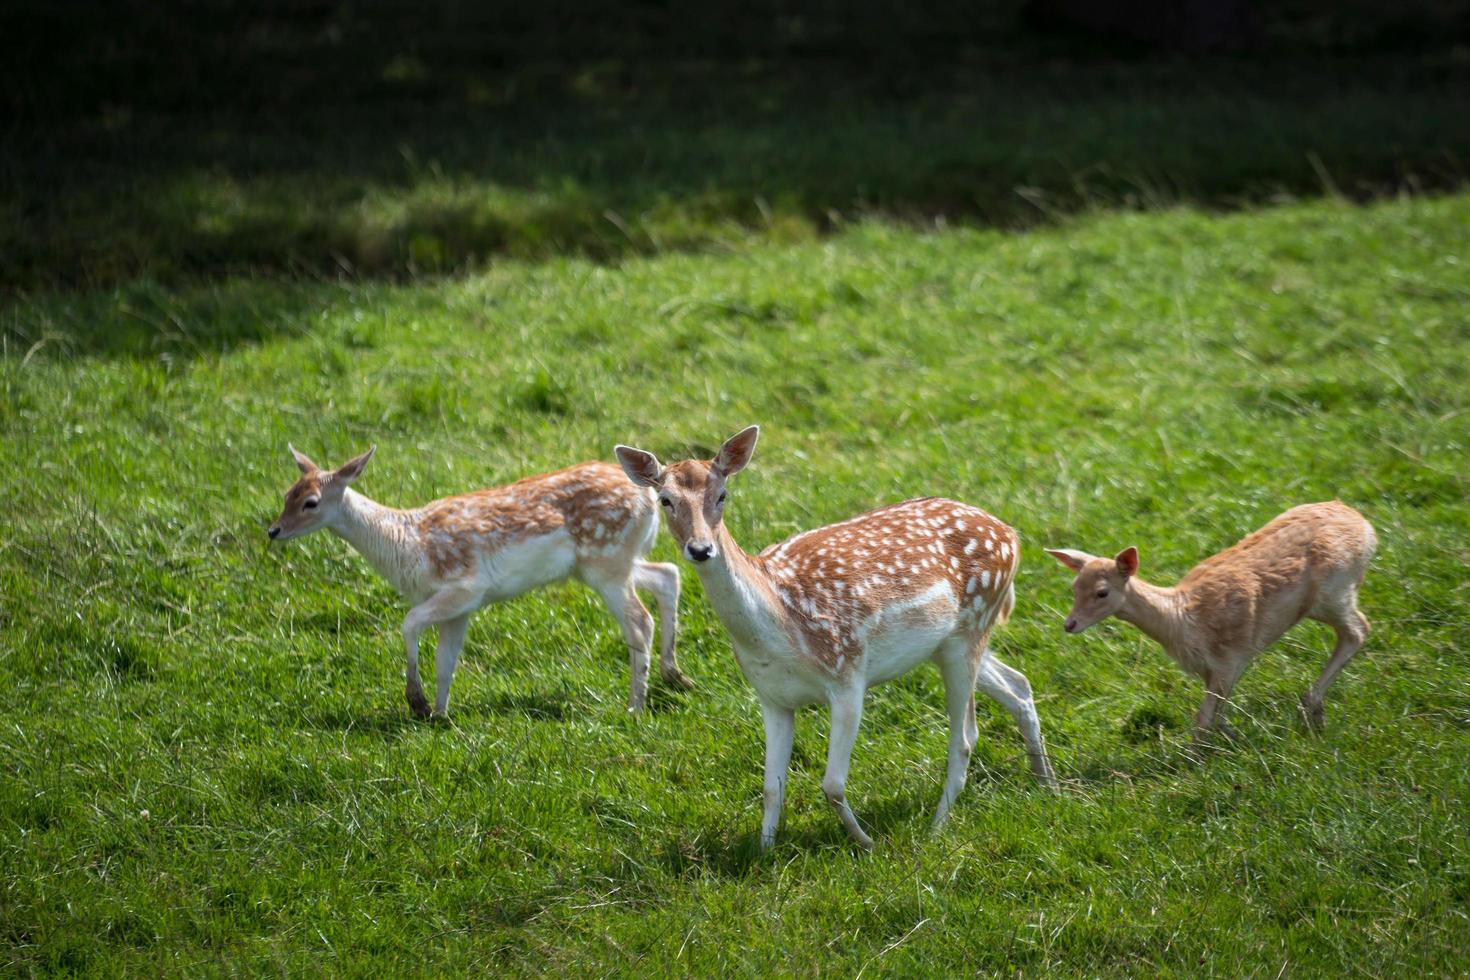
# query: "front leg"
780 731
413 627
847 714
622 601
446 658
442 606
1219 683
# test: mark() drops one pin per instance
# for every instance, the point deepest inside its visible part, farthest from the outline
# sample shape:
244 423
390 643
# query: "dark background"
638 127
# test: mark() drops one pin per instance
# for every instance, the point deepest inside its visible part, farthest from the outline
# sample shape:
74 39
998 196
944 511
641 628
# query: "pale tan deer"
829 613
455 555
1306 564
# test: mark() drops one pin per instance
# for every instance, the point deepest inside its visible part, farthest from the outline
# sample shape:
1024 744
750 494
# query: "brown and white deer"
829 613
455 555
1306 564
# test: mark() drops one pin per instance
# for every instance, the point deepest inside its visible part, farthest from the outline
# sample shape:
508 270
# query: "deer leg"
622 601
1011 688
972 729
959 700
847 714
1204 719
446 658
1218 685
440 607
1352 629
662 579
780 731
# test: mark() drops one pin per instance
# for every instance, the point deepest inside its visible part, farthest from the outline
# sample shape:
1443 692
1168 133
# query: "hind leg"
1011 688
662 579
1352 629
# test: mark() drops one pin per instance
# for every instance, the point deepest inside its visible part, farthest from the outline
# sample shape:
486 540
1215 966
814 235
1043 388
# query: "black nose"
700 552
1070 625
274 531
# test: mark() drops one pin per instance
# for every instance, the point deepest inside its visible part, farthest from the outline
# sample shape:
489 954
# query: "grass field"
208 767
1112 299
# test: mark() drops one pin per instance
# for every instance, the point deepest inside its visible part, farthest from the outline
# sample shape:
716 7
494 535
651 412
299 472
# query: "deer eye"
310 503
664 502
723 495
1102 593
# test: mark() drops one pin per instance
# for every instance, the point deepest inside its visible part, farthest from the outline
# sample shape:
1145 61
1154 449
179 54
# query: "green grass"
208 766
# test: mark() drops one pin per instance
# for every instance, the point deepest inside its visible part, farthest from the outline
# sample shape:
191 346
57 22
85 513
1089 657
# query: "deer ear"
643 468
737 450
1072 559
352 469
303 461
1127 561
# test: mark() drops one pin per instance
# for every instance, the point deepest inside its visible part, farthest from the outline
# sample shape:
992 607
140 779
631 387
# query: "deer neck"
382 535
1160 612
738 587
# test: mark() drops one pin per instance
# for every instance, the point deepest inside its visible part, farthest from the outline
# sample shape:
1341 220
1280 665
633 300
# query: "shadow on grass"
1118 769
397 140
1174 754
731 857
546 705
393 723
143 319
717 851
390 724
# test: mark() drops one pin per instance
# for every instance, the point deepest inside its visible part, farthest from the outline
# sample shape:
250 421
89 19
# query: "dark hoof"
680 680
419 704
1313 715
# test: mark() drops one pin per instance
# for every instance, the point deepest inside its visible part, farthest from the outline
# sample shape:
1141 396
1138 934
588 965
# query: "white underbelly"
904 635
526 565
900 651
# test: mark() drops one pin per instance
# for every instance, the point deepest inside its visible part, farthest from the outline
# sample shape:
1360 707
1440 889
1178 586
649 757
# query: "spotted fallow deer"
829 613
1306 564
455 555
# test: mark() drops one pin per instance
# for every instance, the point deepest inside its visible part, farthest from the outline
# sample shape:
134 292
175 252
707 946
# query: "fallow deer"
1306 564
829 613
455 555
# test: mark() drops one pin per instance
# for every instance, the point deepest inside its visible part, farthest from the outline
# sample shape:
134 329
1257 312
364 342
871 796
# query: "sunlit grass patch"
208 764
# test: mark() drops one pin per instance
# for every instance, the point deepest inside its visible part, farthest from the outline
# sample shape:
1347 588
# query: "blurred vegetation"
179 141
